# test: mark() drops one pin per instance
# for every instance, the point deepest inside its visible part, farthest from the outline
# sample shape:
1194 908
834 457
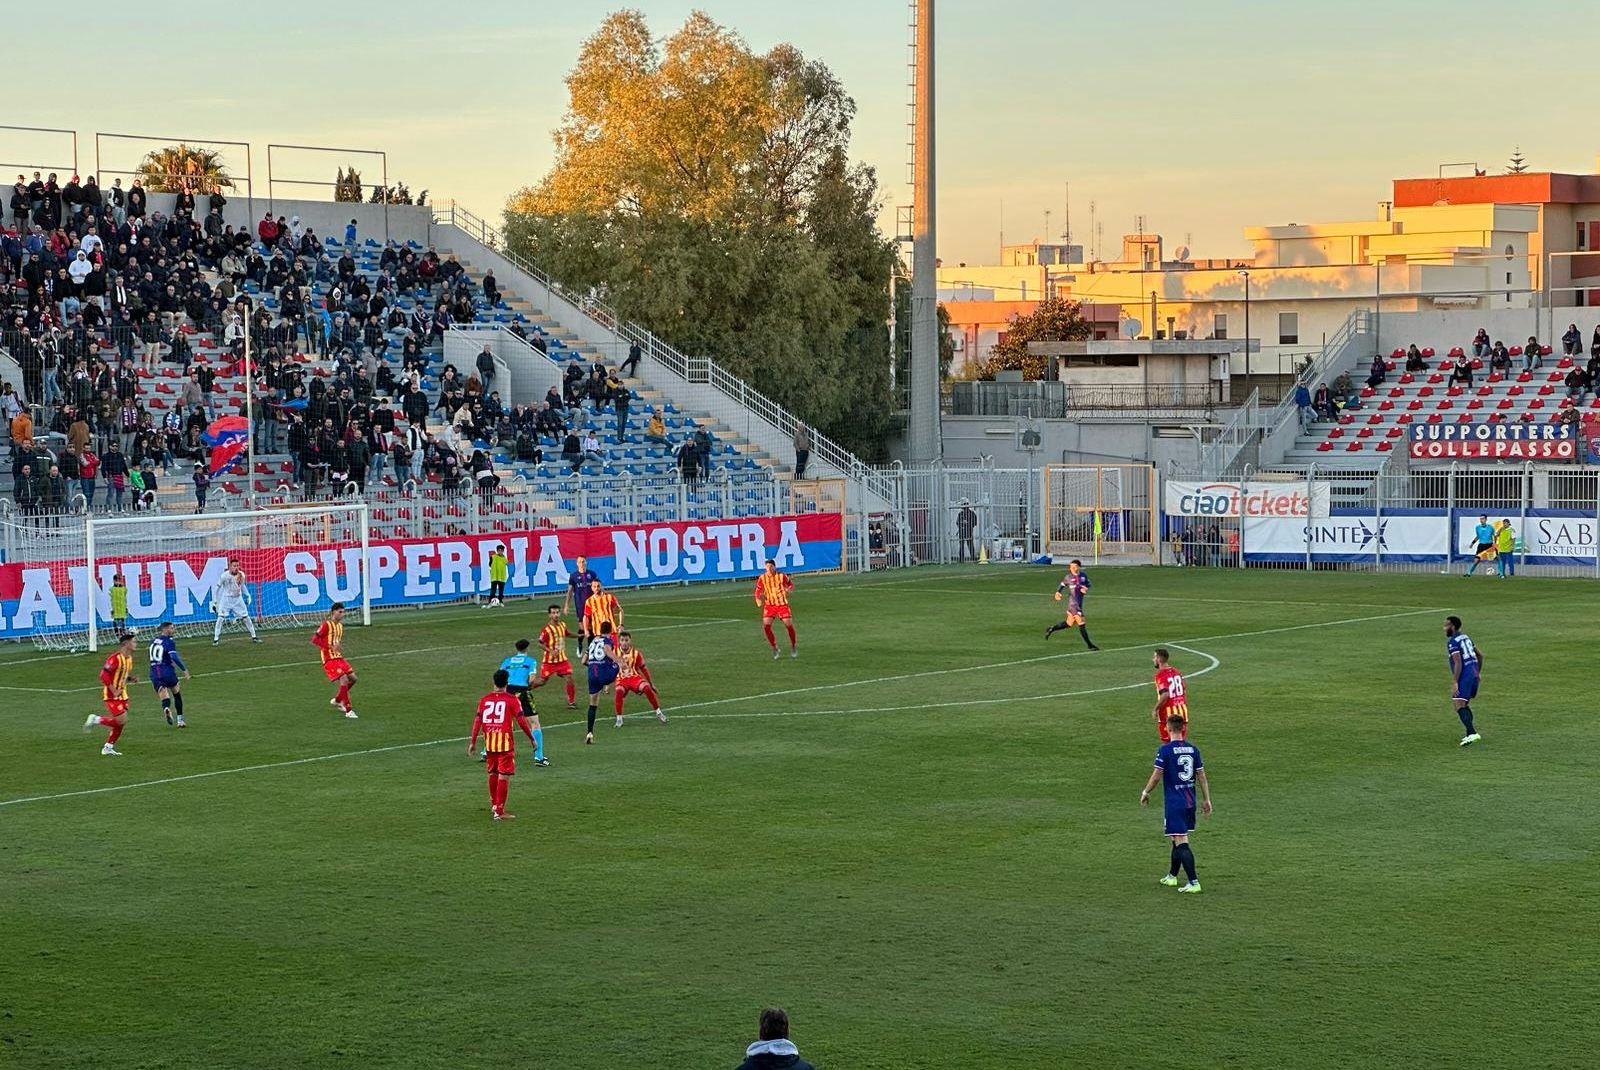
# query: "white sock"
216 632
250 626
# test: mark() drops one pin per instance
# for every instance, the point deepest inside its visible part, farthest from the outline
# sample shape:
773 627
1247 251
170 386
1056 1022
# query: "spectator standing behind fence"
631 365
966 524
802 448
773 1050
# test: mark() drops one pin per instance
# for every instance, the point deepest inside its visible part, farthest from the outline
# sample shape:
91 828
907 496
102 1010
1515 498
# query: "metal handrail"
693 369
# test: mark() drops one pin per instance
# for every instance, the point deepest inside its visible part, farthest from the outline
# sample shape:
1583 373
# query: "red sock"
501 787
790 628
650 694
494 791
572 692
766 626
343 697
617 702
115 733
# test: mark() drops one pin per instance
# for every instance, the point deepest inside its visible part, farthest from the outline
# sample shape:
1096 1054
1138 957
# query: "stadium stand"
123 339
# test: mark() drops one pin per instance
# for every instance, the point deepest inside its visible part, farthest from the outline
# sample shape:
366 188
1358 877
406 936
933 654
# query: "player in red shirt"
772 595
553 659
114 693
633 675
329 639
498 713
1170 698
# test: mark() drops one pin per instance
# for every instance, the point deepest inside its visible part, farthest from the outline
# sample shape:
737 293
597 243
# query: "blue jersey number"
158 652
1185 763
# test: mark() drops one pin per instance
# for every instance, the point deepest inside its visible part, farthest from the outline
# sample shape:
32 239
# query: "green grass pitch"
922 837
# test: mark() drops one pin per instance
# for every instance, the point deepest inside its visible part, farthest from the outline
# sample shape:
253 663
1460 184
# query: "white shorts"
235 608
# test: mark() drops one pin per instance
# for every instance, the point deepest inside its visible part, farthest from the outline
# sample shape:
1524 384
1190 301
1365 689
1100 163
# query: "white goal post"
169 565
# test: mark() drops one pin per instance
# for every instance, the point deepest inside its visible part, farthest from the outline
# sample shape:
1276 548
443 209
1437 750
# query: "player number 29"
494 712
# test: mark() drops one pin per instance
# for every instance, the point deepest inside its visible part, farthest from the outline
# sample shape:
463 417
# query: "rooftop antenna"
1066 229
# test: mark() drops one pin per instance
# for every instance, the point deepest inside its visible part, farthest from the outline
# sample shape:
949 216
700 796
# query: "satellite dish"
1131 328
1182 253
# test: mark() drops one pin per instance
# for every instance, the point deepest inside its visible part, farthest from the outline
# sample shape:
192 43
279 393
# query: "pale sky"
1205 117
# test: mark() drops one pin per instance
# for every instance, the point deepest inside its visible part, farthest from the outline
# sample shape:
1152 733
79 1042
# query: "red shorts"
503 764
634 684
334 668
558 668
1161 725
781 612
116 707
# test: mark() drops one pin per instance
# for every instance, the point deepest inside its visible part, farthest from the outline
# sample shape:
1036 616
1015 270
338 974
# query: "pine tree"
1518 164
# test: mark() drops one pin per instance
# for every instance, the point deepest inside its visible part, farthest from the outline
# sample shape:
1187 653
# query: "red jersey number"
494 711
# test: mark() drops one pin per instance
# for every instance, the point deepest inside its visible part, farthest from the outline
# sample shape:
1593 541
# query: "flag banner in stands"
1543 536
1591 436
306 579
1401 535
1475 441
1247 499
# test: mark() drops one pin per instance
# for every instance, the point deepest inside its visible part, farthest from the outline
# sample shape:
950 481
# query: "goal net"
1101 513
139 571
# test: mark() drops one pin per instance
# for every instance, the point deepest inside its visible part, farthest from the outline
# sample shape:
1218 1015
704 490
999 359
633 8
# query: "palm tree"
184 167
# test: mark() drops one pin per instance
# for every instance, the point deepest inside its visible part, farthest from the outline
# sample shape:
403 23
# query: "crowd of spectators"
98 292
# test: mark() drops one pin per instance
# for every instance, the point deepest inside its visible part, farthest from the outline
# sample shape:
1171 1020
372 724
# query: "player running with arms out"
601 658
518 669
633 676
772 595
553 660
230 597
114 675
1075 585
165 664
1178 768
329 640
1466 667
1170 700
601 608
579 584
499 713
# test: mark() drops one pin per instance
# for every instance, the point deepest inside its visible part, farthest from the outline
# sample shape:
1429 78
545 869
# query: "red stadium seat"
1435 418
1475 403
1404 418
1505 403
1544 351
1374 420
1496 377
1324 447
1347 417
1525 377
1425 392
1395 432
1496 417
1565 362
1407 379
1354 447
1515 351
1365 432
1398 354
1446 365
1446 404
1435 379
1536 403
1457 351
1455 391
1546 390
1465 418
1485 391
1477 365
1385 447
1367 392
1385 406
1397 393
1336 432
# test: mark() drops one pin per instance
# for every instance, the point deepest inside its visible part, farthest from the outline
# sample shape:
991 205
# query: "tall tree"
706 191
184 167
347 186
1518 163
1053 320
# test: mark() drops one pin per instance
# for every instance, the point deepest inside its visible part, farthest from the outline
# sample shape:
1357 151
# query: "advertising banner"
1423 536
1475 441
1544 536
177 587
1248 499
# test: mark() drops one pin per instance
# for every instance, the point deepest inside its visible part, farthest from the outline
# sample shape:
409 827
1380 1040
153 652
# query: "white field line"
369 657
1213 663
1181 644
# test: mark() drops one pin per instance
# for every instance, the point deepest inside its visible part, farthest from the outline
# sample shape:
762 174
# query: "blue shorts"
1467 686
1180 820
601 677
159 680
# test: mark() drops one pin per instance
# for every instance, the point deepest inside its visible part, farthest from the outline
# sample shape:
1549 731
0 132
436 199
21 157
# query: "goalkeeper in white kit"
230 597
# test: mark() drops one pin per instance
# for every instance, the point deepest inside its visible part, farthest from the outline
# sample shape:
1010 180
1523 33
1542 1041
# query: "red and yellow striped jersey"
497 715
773 589
114 676
600 609
553 640
329 639
632 663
